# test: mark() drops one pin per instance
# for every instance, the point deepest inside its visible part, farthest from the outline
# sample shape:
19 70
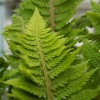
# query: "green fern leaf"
43 63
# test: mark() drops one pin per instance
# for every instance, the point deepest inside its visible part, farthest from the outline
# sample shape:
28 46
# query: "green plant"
91 47
46 66
7 72
94 18
55 12
91 44
27 75
3 67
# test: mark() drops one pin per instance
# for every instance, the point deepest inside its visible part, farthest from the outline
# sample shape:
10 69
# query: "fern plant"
31 54
46 66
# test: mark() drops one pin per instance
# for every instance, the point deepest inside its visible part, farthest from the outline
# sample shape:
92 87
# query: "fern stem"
52 14
44 70
46 78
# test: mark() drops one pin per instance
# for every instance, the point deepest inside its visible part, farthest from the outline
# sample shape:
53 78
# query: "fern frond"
91 51
91 48
73 87
94 18
43 63
56 13
15 28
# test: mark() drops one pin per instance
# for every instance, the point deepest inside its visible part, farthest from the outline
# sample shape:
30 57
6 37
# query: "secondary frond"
56 12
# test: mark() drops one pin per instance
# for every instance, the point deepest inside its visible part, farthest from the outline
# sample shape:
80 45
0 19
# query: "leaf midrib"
43 67
52 14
